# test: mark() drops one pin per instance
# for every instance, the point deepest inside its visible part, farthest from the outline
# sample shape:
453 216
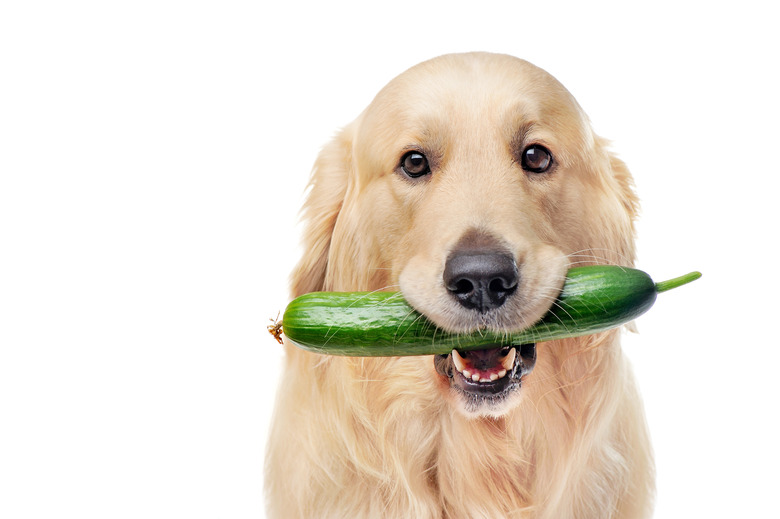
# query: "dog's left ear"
619 245
625 184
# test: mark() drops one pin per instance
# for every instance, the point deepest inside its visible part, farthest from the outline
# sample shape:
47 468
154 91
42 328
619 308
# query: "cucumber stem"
663 286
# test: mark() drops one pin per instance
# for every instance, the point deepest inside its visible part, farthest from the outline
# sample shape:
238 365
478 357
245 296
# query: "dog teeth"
458 361
508 362
470 373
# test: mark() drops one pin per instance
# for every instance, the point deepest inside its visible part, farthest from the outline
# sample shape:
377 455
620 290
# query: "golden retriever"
471 183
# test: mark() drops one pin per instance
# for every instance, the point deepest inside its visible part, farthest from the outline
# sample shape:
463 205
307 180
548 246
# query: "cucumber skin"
382 324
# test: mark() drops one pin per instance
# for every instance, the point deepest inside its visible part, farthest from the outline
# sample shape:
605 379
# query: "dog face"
472 182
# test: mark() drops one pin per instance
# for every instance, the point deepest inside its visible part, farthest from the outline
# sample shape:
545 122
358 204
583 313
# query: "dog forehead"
471 79
477 89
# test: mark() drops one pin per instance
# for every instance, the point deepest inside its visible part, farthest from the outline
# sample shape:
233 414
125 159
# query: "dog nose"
481 280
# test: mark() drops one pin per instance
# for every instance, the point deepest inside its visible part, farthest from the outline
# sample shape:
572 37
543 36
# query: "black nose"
481 280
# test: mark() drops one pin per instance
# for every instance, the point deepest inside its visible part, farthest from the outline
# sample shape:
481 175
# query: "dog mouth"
486 377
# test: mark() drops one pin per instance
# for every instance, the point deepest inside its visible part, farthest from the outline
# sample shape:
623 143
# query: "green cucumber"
379 324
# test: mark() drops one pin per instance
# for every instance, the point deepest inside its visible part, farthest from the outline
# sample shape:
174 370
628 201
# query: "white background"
153 157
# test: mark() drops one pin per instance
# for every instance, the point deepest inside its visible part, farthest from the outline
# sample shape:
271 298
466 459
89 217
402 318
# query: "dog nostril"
499 285
462 286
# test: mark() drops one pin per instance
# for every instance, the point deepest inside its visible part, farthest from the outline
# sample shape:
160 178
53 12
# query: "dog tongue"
484 359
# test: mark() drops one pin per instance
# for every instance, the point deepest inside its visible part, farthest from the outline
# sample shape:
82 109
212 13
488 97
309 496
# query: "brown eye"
536 159
415 164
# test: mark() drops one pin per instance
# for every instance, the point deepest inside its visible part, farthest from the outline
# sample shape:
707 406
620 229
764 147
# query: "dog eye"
415 164
536 159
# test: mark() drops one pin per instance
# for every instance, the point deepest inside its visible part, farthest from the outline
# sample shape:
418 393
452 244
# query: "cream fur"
386 437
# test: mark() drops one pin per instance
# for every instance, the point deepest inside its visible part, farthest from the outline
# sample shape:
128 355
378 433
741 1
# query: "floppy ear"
629 202
327 189
618 206
625 183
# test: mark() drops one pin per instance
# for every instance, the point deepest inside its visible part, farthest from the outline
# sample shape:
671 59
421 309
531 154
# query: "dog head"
471 183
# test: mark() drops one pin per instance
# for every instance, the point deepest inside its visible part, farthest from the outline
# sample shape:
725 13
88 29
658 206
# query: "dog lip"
459 381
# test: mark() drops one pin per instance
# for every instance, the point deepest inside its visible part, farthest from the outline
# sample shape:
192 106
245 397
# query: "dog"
471 183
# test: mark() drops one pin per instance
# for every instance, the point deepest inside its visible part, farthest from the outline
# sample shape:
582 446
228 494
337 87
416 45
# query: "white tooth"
501 373
466 373
457 360
509 361
475 377
493 376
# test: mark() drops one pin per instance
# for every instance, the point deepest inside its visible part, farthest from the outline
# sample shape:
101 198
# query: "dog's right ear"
326 191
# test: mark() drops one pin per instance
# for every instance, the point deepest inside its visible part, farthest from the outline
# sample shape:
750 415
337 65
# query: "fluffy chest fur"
370 441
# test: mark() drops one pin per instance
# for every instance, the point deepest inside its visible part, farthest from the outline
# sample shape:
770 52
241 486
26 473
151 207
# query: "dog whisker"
592 255
399 336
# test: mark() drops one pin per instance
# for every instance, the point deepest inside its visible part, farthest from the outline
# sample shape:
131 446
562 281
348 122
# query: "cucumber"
380 324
